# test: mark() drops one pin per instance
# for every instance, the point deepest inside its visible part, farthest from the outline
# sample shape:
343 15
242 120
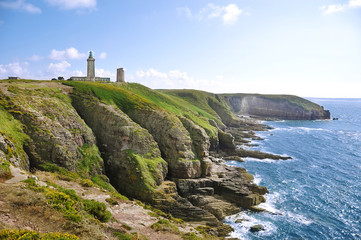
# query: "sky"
309 48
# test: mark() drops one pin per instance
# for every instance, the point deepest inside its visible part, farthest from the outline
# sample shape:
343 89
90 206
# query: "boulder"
226 141
256 228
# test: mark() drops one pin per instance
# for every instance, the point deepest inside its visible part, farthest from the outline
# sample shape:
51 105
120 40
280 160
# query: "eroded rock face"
173 140
8 152
167 199
55 129
224 192
132 157
200 144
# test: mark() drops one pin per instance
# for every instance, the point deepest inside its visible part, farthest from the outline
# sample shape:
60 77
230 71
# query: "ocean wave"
268 160
301 129
298 218
242 230
257 179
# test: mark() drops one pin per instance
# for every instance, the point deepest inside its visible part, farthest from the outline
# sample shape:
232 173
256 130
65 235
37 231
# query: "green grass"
5 171
97 209
131 96
103 182
90 160
165 225
178 105
16 234
13 129
62 172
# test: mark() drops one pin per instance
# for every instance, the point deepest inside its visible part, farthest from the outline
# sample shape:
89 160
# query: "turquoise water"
317 194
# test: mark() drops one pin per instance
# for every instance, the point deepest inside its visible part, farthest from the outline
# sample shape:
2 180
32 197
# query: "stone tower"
91 67
120 75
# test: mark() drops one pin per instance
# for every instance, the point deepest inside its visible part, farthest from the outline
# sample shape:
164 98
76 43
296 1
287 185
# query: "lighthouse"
91 67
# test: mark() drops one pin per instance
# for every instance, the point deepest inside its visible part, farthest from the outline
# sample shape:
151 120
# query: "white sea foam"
270 204
298 218
266 160
242 229
257 179
301 129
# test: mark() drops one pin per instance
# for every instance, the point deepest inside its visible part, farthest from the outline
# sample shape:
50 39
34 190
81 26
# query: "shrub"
165 226
111 201
97 209
86 183
125 236
190 236
63 203
5 171
19 234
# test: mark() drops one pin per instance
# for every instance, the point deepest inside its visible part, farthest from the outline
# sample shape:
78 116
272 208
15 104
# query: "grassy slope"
131 95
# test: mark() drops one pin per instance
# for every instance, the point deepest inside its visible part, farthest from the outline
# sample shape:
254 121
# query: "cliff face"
132 157
275 107
54 131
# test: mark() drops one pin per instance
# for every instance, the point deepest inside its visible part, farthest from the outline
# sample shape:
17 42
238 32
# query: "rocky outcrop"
200 144
9 153
132 157
55 129
173 141
224 192
275 107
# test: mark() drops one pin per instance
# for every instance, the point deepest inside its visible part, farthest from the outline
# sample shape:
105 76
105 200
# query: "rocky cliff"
161 147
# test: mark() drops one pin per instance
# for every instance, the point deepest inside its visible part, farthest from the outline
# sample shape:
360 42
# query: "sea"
316 194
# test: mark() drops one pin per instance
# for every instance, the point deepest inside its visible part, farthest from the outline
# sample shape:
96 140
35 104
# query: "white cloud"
70 53
231 14
228 14
77 73
58 68
15 69
173 79
103 55
20 5
73 4
354 3
35 57
340 7
333 8
100 72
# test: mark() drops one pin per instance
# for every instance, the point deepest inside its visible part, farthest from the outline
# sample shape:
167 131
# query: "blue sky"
310 48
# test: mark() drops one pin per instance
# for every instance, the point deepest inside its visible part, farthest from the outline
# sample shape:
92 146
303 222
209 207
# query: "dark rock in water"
256 228
240 220
260 155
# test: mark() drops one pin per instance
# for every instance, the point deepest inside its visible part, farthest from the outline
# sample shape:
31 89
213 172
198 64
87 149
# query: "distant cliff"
284 107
